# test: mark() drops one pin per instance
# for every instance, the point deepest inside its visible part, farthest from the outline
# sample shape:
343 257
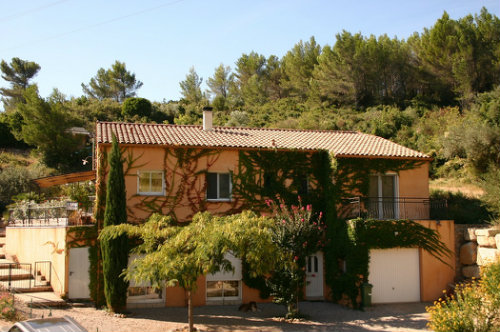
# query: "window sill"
219 199
150 194
223 301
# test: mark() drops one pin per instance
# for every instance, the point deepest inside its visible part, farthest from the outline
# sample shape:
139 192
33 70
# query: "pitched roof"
340 143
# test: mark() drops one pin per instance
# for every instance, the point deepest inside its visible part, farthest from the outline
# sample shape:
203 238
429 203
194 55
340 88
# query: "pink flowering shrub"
298 233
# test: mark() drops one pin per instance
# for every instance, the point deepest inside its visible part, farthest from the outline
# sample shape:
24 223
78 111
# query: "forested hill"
437 92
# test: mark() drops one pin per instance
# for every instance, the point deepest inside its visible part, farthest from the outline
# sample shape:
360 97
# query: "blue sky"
159 40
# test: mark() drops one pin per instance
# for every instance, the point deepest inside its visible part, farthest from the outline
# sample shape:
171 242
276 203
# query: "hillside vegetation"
436 92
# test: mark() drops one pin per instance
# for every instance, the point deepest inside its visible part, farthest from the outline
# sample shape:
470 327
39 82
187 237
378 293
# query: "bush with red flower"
298 233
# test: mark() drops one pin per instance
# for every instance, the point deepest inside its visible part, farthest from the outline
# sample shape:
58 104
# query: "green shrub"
463 209
81 193
7 309
475 306
139 107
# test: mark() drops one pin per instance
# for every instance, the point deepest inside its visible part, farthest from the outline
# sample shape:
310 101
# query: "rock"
486 241
487 255
487 231
470 234
497 240
471 271
468 253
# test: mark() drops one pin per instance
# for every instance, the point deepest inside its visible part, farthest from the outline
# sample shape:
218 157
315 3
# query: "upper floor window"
219 186
150 182
303 186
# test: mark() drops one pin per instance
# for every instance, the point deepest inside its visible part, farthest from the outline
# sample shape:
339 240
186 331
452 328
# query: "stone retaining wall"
476 245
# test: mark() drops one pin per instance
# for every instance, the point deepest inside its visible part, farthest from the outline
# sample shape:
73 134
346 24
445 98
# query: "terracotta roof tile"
340 143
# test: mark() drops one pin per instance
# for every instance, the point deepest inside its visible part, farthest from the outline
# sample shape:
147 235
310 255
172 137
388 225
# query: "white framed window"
143 294
223 290
225 285
219 186
150 182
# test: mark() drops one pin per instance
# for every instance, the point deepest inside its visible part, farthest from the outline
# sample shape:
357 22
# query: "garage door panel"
395 275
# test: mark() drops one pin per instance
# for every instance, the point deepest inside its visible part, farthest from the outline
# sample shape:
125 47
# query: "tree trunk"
190 311
297 302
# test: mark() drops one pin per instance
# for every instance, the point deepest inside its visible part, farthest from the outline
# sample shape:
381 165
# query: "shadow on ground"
320 316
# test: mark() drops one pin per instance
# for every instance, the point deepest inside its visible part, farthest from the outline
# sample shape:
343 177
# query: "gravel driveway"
321 316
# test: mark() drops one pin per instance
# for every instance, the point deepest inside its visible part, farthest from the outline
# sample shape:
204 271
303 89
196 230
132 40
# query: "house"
180 170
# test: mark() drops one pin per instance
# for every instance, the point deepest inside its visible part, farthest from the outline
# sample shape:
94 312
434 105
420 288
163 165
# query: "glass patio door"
382 203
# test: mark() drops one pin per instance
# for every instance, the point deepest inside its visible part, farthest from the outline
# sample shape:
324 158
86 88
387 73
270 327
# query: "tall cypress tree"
115 251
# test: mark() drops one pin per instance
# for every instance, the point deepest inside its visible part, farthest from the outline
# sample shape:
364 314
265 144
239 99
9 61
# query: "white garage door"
395 275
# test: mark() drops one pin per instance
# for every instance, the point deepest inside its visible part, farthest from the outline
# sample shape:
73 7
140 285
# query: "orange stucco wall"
414 182
411 183
435 275
177 297
156 159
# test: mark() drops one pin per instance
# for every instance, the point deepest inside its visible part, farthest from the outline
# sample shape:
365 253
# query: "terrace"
49 213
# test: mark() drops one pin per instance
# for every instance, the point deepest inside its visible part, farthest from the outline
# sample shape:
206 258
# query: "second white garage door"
395 275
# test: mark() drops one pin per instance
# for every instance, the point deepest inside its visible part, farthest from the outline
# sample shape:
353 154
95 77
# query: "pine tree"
18 73
117 83
298 65
115 251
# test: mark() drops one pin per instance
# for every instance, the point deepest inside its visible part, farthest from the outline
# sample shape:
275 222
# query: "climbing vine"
183 189
323 181
264 174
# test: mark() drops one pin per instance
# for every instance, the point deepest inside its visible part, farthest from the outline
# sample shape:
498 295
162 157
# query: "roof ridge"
225 127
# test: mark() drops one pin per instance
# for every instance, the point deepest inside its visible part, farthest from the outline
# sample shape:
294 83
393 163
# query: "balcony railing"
50 213
394 208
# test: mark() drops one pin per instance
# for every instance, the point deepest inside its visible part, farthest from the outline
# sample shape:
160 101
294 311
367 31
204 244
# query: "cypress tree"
115 251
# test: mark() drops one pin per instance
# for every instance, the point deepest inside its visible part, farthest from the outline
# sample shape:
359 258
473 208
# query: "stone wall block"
470 234
471 271
492 231
468 253
487 255
486 241
497 240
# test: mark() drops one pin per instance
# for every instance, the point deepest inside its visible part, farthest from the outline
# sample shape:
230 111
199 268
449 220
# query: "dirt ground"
320 316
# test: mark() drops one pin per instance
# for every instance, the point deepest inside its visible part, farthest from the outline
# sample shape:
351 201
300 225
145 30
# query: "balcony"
394 208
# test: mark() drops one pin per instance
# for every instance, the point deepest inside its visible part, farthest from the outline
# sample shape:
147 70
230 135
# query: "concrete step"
17 275
42 299
37 289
